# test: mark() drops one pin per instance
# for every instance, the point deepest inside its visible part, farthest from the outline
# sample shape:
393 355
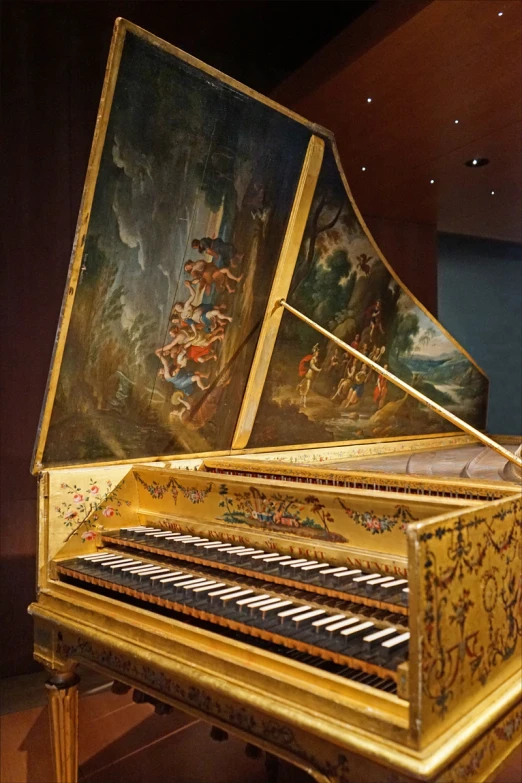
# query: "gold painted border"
109 83
282 279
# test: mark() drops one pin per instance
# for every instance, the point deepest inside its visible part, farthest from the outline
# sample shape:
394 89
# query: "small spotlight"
368 100
456 122
492 192
363 168
501 13
475 163
432 181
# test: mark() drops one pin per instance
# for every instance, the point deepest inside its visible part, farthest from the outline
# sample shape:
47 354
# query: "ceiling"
441 62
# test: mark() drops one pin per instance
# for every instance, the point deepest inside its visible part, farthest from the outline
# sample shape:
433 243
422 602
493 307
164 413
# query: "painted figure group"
349 377
198 324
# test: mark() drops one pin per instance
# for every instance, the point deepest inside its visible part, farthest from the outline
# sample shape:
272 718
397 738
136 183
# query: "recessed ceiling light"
501 13
456 122
432 181
363 168
368 100
492 192
475 163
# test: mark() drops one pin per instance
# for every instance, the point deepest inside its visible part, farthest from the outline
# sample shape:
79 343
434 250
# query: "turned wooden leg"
62 690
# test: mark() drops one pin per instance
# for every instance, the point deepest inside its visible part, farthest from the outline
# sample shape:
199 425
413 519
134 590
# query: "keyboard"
256 598
373 589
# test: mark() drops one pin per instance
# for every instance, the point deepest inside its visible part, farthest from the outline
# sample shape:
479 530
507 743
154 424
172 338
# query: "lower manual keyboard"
370 645
379 590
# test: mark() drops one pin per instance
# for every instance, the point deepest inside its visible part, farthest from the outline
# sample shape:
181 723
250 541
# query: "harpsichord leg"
62 690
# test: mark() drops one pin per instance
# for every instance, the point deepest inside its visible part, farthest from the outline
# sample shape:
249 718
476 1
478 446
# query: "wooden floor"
124 741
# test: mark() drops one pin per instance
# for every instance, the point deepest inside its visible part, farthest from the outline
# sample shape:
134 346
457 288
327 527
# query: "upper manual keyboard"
374 589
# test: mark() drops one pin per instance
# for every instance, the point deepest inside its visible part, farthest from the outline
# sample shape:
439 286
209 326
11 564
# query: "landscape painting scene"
194 190
316 392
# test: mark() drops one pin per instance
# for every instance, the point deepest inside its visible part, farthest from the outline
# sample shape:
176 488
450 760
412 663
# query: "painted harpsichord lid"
204 204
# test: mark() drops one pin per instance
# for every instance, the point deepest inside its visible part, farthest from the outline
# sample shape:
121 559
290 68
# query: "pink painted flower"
77 497
108 512
95 490
89 535
70 515
63 486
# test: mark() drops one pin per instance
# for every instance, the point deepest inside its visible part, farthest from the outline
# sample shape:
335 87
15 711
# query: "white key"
187 539
168 534
162 575
293 562
342 624
94 557
357 628
201 580
138 569
212 545
279 605
212 585
225 548
159 533
198 583
242 550
381 580
263 603
180 578
222 592
147 571
391 643
246 601
191 581
406 590
280 559
300 563
396 583
144 529
336 570
136 527
308 615
348 573
262 555
374 637
109 562
268 558
295 610
105 558
160 572
313 567
121 563
250 554
366 577
129 567
332 618
177 538
232 596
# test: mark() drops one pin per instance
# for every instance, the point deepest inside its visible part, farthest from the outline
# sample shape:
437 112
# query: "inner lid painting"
204 205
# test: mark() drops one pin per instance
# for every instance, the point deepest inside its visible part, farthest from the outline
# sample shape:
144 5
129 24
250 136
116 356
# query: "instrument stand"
62 690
